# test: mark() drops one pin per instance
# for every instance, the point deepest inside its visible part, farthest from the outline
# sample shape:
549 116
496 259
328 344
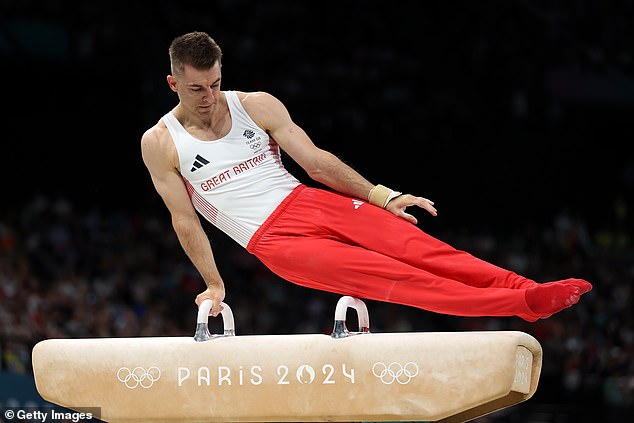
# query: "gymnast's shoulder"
157 139
260 103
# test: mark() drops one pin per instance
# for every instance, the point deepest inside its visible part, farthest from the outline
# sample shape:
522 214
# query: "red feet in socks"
549 298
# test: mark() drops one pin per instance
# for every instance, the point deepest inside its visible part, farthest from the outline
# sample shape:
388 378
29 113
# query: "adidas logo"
357 203
199 162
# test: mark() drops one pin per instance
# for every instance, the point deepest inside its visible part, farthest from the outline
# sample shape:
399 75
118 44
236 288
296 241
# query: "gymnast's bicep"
165 176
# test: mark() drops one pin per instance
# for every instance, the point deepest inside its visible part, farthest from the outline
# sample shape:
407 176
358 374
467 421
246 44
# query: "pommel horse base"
347 376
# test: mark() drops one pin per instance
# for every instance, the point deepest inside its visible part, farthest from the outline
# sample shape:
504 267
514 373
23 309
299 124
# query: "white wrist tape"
381 195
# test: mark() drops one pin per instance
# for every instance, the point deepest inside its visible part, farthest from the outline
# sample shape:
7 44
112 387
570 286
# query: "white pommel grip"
381 195
340 330
202 326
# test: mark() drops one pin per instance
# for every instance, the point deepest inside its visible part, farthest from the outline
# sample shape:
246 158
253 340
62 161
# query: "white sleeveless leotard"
237 181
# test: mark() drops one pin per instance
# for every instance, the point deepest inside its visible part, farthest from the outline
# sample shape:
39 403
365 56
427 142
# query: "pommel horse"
346 376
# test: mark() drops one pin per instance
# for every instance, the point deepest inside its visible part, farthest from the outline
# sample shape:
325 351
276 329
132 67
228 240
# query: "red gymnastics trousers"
330 242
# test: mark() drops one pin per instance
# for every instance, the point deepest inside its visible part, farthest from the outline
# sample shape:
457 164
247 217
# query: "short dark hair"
196 49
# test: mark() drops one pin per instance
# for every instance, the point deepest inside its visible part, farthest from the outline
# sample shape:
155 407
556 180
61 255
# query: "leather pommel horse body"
347 376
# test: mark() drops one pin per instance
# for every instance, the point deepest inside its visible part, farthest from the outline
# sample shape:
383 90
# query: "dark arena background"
515 117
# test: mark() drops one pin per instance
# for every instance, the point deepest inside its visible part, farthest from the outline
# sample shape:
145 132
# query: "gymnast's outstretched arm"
159 156
320 165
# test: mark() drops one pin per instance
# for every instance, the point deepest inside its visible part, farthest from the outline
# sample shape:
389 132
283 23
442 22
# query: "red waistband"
273 217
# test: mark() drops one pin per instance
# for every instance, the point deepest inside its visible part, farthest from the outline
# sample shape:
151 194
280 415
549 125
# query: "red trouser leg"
320 240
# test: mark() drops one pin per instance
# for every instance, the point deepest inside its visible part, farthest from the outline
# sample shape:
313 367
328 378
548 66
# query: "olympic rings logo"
395 372
139 376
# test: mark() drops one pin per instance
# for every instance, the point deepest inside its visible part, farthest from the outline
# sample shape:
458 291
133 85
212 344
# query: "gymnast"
218 154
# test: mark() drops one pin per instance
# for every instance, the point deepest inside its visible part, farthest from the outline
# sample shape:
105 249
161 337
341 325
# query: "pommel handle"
202 322
340 330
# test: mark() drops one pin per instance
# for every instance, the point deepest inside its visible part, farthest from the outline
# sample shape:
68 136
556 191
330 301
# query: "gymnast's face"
197 89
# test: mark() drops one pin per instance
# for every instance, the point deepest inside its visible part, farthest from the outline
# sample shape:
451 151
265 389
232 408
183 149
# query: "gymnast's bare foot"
549 298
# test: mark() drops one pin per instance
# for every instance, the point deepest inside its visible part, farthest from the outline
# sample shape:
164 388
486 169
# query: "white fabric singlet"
234 182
